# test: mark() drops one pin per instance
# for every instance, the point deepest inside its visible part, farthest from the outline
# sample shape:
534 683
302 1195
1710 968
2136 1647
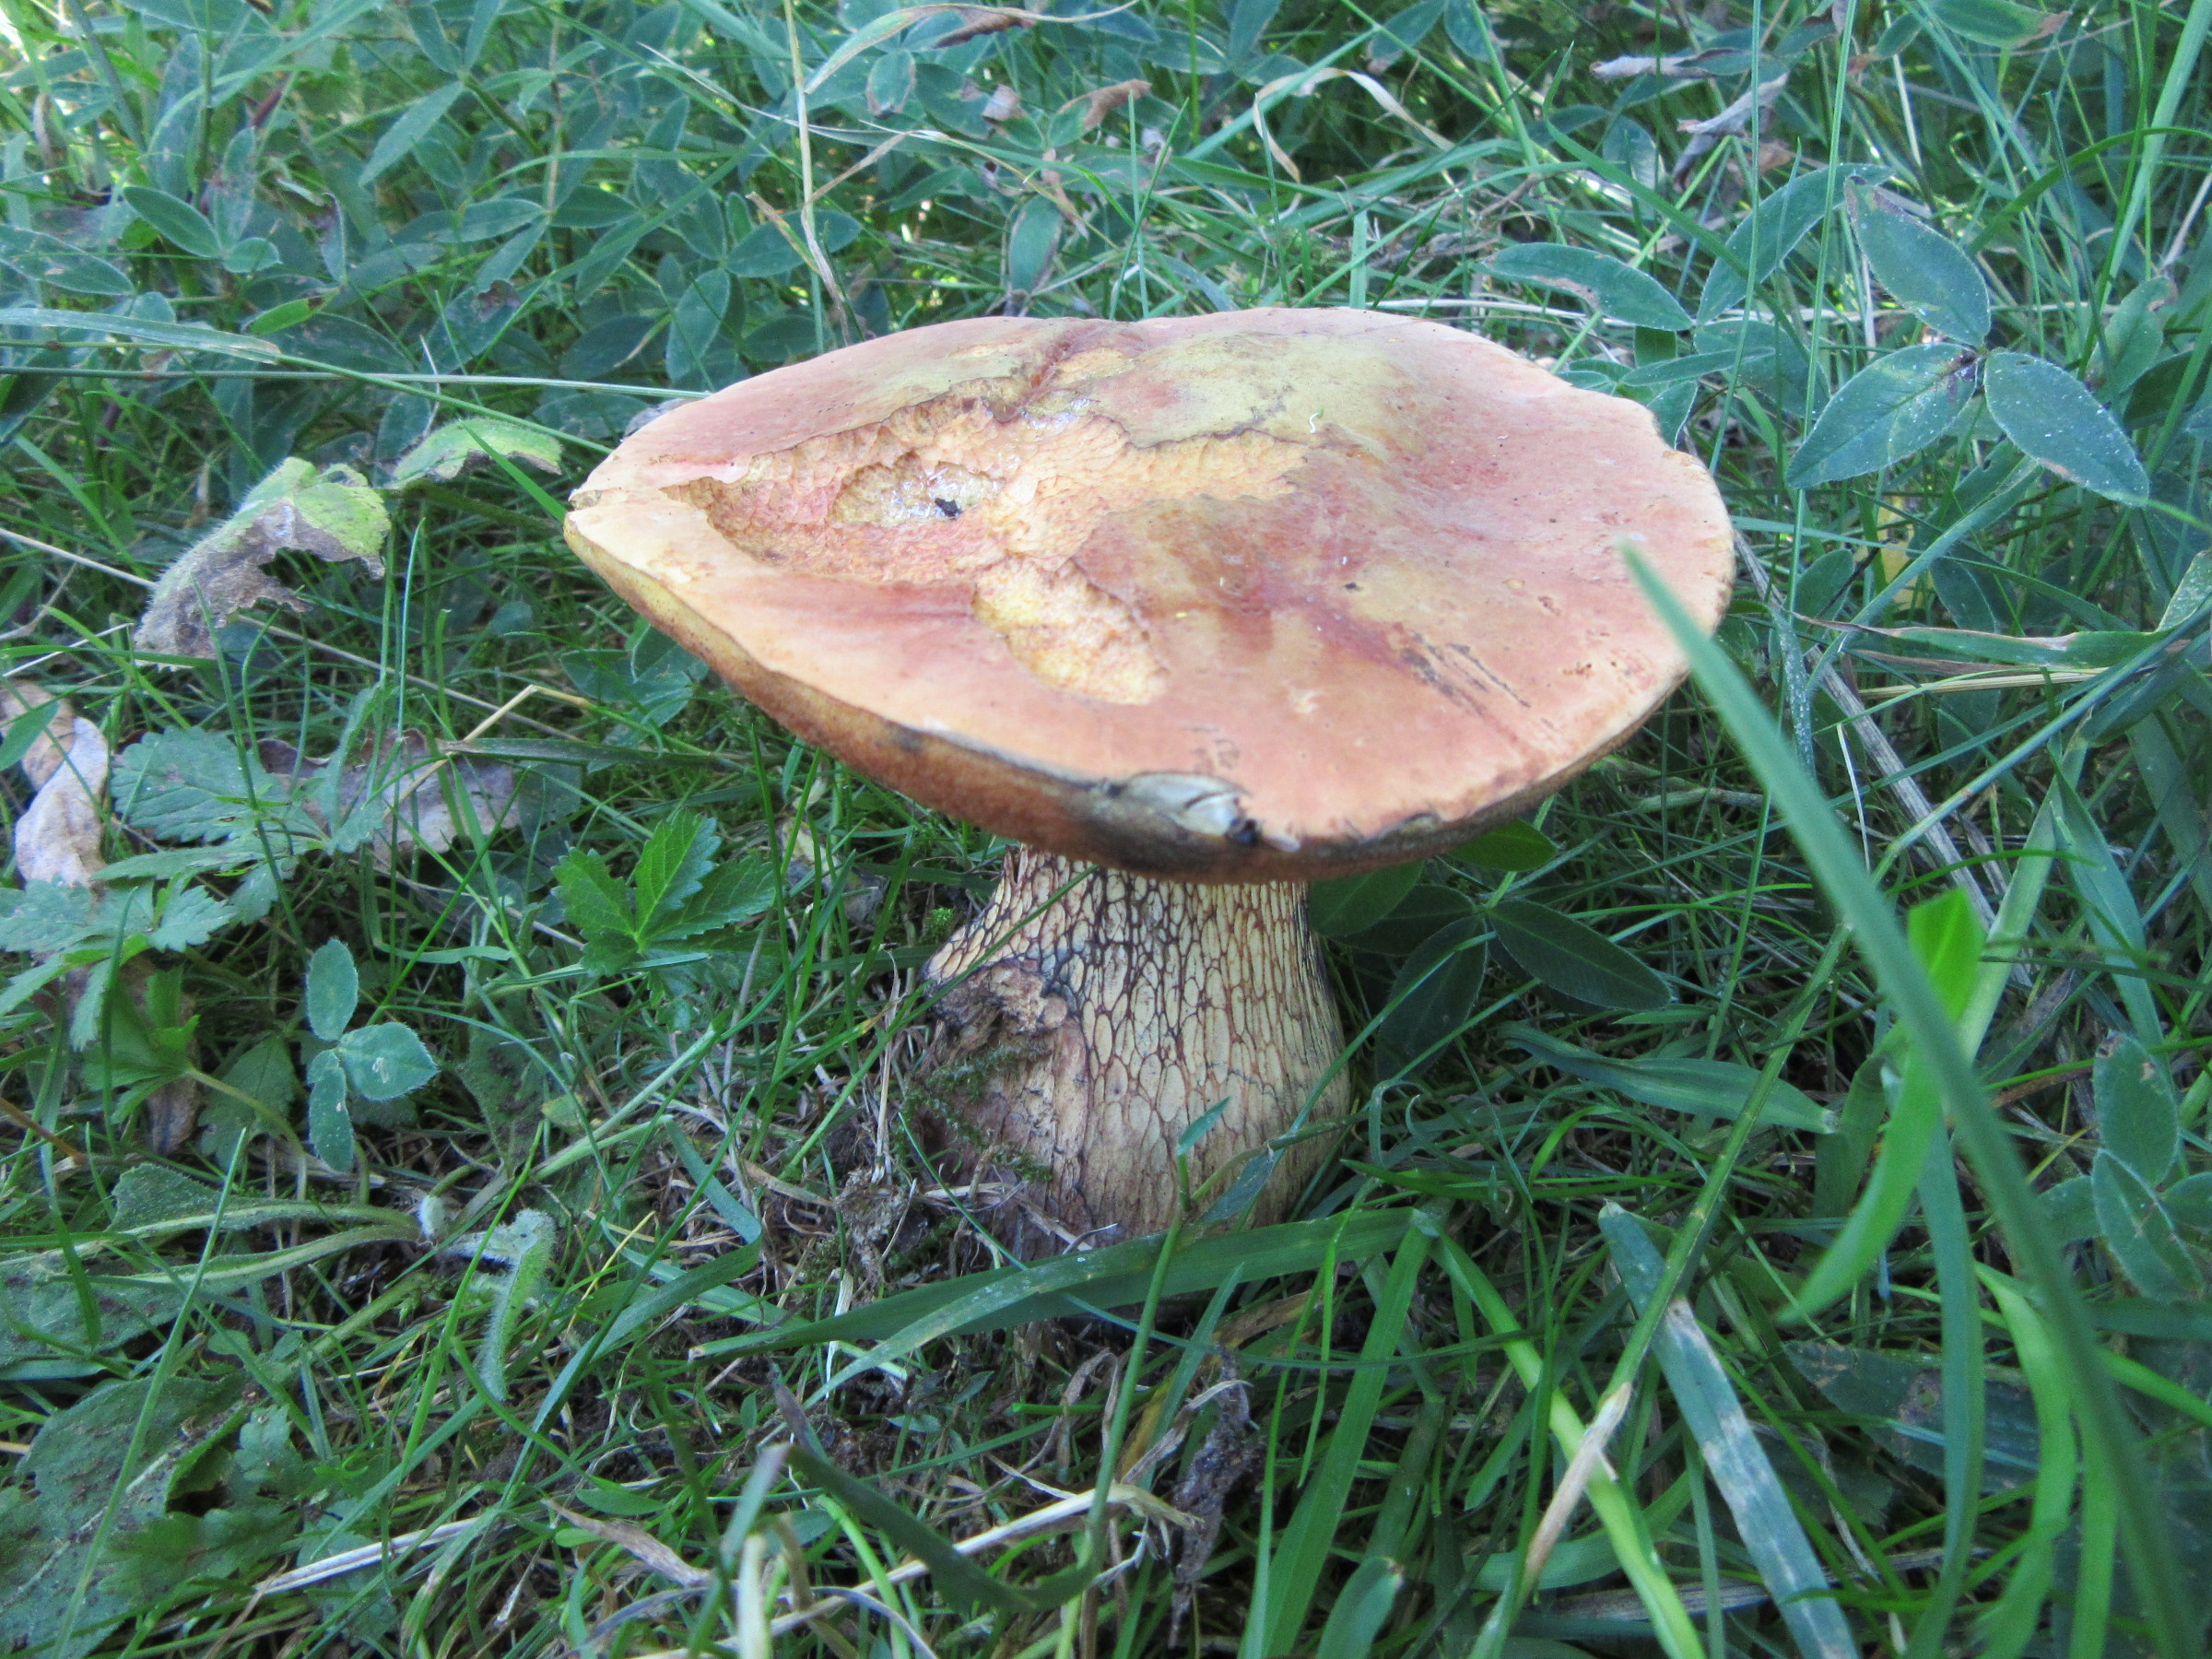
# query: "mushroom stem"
1101 1022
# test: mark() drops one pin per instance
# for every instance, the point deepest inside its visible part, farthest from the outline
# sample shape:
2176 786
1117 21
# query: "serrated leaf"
197 787
597 905
333 514
1715 1087
671 865
386 1060
2059 424
1517 846
192 915
1349 905
2139 1233
732 893
1613 288
1558 951
1925 271
1892 409
459 445
2138 1115
334 990
46 917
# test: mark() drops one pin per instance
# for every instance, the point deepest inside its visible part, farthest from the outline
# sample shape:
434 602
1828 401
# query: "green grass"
637 1318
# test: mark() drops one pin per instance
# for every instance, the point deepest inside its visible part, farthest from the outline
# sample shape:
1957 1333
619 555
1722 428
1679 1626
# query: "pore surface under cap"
1256 595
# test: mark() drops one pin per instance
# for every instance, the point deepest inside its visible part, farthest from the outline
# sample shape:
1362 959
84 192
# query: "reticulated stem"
1103 1022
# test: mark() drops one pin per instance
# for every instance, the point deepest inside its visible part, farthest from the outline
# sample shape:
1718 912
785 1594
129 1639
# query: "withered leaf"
979 20
1103 101
641 1545
57 839
409 794
332 514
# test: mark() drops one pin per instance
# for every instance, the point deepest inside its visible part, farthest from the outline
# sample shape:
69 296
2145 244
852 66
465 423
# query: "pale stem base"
1102 1023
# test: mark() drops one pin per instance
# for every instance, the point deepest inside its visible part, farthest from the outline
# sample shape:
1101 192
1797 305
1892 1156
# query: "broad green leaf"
2137 1231
1614 289
146 1196
1715 1087
1773 1535
2188 1201
386 1060
1434 992
1561 952
1516 846
2138 1115
1987 22
1759 355
1428 910
334 990
1925 271
1351 904
2058 423
890 82
329 1123
1033 237
176 221
459 445
399 140
1949 940
114 1456
1903 1393
1892 409
2070 1209
1756 248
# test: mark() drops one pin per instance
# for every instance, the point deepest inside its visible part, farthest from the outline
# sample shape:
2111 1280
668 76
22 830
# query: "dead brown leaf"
334 514
1102 101
425 796
640 1544
976 21
57 839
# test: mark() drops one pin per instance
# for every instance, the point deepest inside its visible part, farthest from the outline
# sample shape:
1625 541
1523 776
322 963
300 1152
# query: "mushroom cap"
1262 596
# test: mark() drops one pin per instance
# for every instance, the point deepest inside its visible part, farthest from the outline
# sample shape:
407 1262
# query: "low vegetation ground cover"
463 1184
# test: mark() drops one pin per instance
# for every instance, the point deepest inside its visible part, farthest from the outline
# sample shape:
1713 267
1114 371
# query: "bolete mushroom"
1197 610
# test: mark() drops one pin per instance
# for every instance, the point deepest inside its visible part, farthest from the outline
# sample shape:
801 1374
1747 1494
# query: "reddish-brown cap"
1269 595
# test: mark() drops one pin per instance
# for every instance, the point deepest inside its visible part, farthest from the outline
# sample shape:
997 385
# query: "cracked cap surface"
1262 596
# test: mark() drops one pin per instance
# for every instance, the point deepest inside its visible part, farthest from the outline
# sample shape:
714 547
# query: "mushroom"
1197 610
